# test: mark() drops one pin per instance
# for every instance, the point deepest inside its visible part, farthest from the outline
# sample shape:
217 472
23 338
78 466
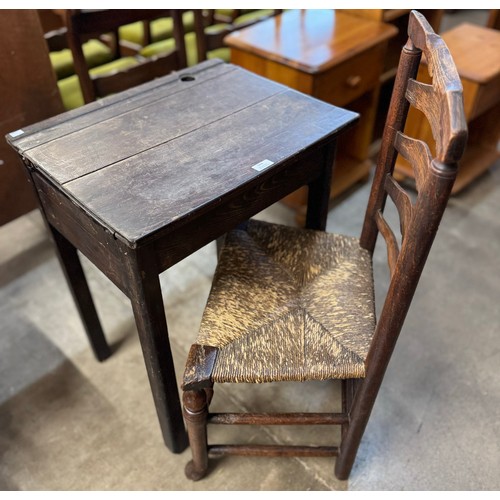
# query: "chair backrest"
210 37
82 24
442 104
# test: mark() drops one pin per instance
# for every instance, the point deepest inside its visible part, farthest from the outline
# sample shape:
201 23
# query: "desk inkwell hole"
187 78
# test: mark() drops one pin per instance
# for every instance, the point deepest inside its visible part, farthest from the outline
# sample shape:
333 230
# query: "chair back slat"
418 154
390 241
402 201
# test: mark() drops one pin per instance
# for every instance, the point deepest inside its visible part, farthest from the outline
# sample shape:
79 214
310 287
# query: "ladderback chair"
291 304
131 71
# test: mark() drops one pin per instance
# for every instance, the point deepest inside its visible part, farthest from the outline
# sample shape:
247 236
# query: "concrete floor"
70 423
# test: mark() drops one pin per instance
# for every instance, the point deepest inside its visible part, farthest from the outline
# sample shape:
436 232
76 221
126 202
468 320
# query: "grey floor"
68 422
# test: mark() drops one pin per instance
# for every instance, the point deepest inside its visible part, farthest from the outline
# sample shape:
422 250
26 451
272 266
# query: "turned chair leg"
195 414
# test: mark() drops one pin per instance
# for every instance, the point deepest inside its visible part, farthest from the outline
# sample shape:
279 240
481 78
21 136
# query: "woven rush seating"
306 314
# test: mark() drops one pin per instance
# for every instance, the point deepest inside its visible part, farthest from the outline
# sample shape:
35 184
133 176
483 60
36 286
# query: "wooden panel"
106 108
29 93
140 195
129 133
94 240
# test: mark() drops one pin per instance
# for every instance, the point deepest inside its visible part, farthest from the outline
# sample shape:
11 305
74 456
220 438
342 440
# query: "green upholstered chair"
71 91
292 304
96 53
144 33
192 56
124 72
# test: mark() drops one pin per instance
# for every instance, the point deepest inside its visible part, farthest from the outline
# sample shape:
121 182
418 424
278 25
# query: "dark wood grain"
93 239
144 129
278 418
161 186
141 179
199 366
195 413
109 107
241 204
390 241
272 450
73 271
149 314
402 201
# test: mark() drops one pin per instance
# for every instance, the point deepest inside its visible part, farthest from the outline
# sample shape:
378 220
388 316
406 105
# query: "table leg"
72 268
319 193
149 313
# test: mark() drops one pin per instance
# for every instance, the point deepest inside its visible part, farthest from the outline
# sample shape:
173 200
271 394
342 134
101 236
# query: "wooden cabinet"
29 93
475 50
331 55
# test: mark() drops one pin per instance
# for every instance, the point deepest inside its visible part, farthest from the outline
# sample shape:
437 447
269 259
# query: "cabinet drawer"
347 81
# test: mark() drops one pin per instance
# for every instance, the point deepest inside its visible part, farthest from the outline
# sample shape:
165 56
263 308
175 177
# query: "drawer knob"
353 81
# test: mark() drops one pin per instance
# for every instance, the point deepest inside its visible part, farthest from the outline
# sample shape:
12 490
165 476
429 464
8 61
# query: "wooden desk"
330 55
141 179
476 52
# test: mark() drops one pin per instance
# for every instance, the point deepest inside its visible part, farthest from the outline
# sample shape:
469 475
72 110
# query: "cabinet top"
311 40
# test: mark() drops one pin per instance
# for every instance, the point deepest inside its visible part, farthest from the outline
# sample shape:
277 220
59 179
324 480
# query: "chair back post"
442 103
179 37
199 28
75 45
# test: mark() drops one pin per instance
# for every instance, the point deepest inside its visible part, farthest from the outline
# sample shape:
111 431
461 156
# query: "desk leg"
149 313
72 268
319 193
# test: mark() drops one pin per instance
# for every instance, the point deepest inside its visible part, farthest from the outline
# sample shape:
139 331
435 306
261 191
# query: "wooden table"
141 179
476 52
330 55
